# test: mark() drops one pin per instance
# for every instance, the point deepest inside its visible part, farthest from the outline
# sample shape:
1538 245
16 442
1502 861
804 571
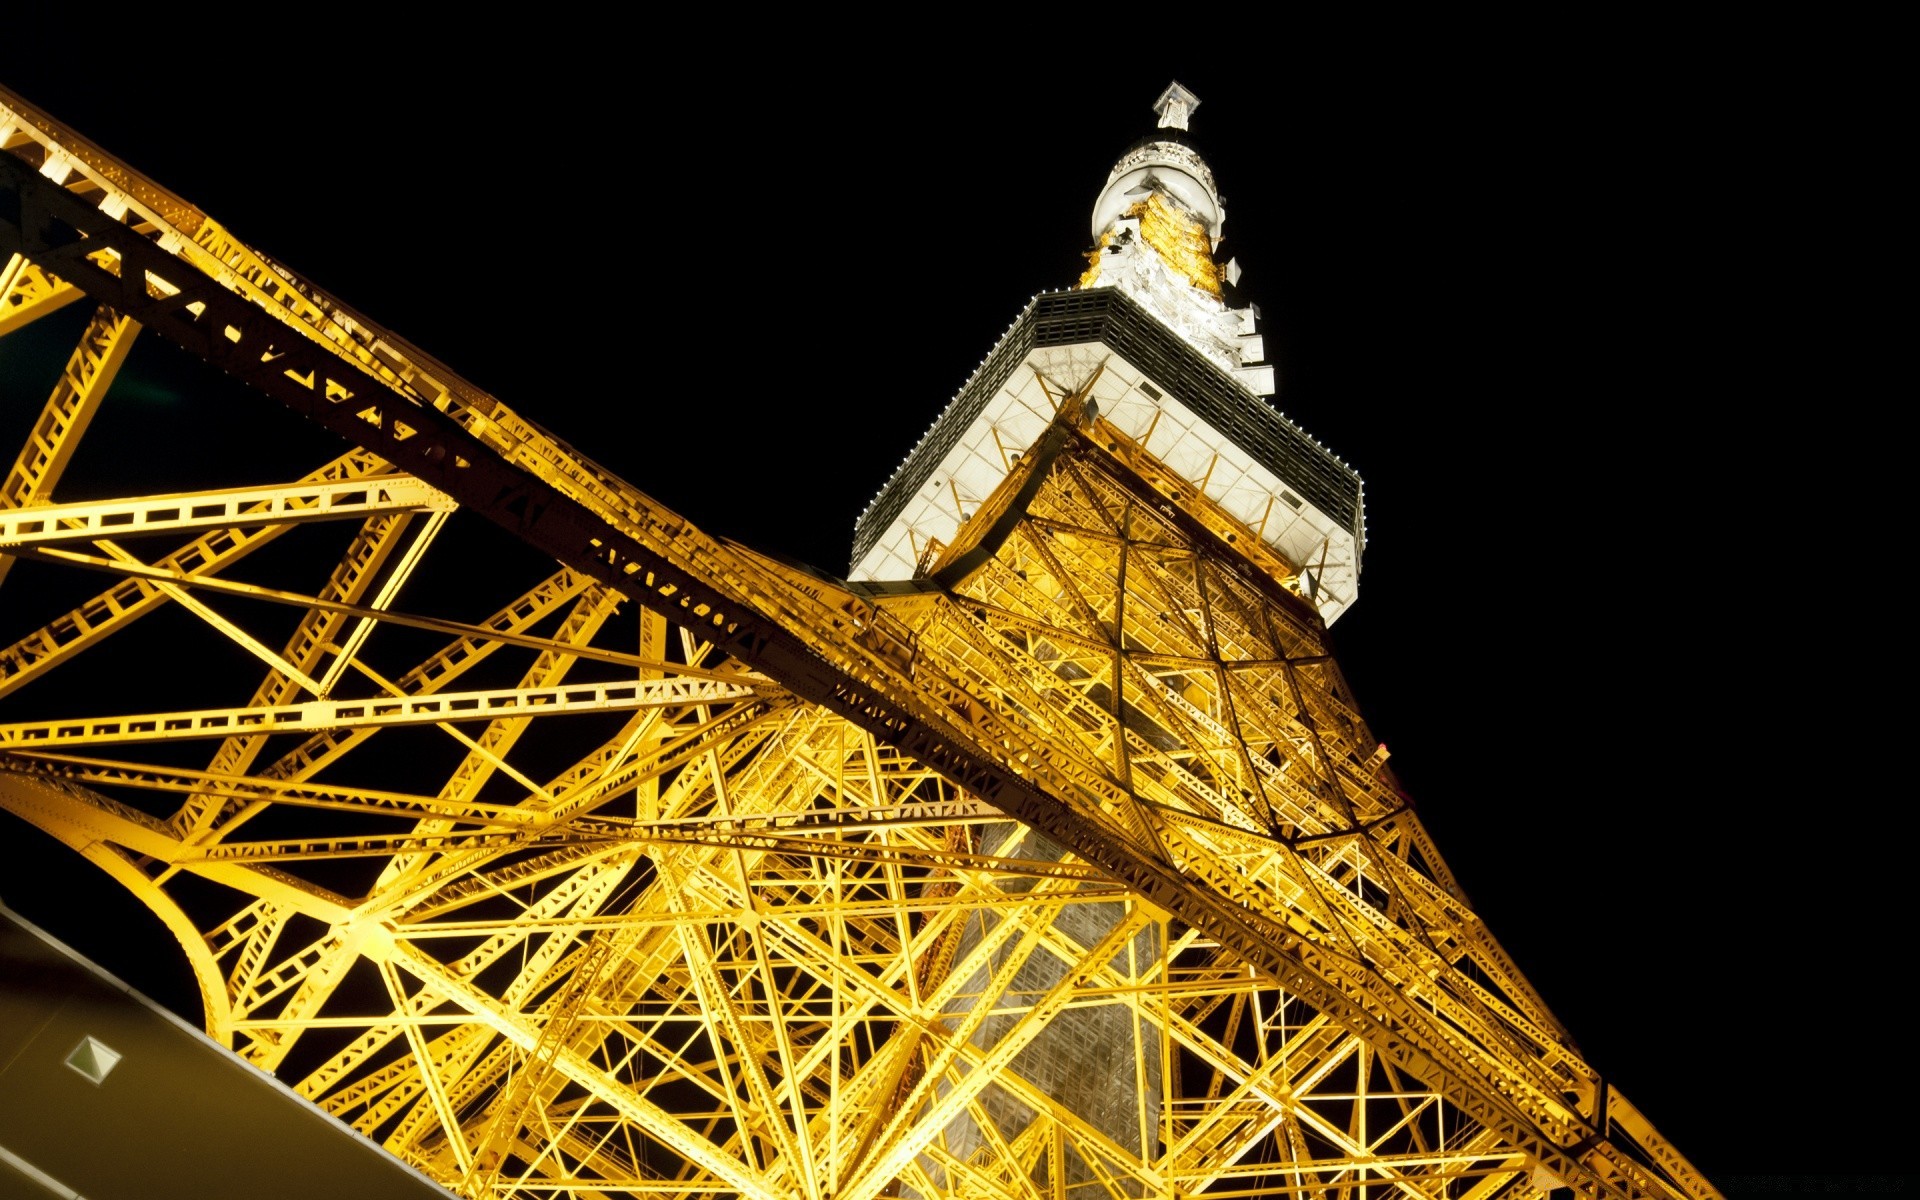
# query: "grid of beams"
680 873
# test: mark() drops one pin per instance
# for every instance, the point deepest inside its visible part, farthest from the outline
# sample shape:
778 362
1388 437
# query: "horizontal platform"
1231 445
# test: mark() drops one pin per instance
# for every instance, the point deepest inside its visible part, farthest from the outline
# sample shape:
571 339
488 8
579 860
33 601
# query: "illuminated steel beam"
27 293
120 605
905 1136
125 565
83 818
344 592
812 977
473 645
487 752
1090 892
379 711
227 628
90 371
258 789
54 523
305 649
658 1122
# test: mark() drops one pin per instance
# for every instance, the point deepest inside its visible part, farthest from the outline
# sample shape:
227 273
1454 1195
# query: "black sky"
1566 311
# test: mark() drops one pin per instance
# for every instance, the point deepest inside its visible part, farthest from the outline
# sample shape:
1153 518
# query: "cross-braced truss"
667 870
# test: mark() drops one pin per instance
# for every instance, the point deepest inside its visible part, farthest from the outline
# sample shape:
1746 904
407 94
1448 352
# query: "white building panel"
1016 416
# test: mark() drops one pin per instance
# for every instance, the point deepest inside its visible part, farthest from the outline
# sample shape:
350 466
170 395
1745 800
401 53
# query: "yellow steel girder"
708 936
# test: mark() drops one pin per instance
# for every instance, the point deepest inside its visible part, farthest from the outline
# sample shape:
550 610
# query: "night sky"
1623 618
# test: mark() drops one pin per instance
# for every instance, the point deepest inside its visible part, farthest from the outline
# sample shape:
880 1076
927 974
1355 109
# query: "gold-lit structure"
1177 238
1046 857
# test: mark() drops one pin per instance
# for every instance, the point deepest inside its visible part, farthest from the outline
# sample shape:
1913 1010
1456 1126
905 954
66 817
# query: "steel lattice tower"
1047 856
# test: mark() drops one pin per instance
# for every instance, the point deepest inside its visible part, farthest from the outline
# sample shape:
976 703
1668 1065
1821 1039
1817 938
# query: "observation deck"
1150 385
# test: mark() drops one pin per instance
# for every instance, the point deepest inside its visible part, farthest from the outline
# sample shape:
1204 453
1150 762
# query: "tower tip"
1175 106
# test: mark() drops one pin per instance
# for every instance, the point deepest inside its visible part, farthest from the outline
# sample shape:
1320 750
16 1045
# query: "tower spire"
1157 226
1176 106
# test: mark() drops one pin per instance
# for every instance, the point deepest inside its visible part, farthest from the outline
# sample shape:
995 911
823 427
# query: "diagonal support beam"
130 599
226 627
158 573
90 372
28 293
81 817
655 1120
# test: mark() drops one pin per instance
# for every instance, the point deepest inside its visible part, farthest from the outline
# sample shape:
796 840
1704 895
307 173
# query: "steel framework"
678 871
